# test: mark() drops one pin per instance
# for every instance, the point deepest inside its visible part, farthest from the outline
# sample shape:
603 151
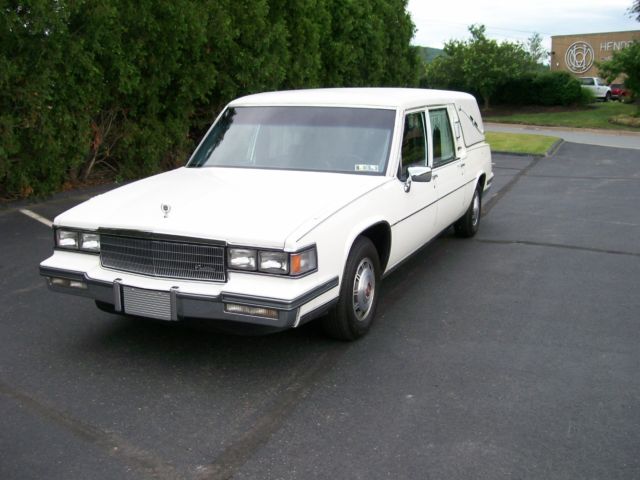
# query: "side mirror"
417 174
420 174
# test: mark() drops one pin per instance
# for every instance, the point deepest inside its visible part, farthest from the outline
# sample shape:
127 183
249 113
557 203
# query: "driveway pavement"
604 138
511 355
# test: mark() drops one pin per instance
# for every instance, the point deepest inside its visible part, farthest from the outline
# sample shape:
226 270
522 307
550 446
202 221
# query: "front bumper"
176 304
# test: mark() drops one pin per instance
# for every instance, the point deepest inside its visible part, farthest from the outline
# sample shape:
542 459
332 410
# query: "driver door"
415 222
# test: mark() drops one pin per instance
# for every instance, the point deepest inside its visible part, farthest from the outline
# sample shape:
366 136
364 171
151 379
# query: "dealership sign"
579 57
580 54
608 46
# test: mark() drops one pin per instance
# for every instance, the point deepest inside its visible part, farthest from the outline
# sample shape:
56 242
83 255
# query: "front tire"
469 224
607 97
353 315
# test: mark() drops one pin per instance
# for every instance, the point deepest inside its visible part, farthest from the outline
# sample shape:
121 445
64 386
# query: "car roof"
387 98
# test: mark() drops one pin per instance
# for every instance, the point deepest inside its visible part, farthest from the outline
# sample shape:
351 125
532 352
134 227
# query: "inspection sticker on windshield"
361 167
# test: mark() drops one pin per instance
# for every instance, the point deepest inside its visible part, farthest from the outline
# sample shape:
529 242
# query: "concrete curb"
554 148
515 154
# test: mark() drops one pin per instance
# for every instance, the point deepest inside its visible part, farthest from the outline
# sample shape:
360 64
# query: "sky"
438 22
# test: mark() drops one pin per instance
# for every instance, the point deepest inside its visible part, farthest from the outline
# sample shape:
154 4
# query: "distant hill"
428 54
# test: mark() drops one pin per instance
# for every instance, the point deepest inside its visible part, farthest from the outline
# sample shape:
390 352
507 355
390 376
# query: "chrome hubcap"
475 209
364 289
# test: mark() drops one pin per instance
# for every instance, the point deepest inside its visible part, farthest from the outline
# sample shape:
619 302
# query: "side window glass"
414 145
443 146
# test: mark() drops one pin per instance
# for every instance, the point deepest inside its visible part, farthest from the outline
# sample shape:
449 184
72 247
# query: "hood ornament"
166 208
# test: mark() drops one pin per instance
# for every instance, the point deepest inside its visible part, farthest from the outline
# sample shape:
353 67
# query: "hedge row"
94 86
542 88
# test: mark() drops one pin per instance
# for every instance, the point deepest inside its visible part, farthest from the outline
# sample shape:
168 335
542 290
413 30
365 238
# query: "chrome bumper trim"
294 304
117 295
186 305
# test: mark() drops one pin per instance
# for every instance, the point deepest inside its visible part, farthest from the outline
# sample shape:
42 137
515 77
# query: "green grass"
520 142
596 116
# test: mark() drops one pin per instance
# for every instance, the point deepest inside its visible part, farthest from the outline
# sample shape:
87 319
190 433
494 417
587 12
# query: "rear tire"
352 317
467 226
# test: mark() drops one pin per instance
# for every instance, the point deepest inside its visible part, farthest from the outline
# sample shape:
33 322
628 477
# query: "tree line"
508 72
125 89
513 73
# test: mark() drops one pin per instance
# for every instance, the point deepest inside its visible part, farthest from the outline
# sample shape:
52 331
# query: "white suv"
597 86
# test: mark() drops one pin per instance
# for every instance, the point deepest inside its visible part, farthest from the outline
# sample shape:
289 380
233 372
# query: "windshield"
328 139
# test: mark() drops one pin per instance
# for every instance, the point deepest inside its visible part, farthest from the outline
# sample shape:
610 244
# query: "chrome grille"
163 258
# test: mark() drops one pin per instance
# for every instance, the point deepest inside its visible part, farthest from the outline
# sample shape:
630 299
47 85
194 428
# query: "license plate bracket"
147 303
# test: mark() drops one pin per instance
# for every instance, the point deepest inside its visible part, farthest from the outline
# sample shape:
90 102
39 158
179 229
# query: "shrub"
517 90
129 87
544 88
479 65
557 88
586 97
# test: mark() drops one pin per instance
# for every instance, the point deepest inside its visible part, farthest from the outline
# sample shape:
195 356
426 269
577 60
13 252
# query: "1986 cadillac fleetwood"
293 207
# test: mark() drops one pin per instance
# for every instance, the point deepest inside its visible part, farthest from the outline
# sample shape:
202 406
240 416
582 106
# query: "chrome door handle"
434 176
462 164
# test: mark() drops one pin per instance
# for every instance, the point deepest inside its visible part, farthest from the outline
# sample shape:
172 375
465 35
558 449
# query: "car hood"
239 206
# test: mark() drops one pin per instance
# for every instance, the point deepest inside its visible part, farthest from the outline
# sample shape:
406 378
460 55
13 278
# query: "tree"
536 50
624 62
368 44
45 101
478 65
115 88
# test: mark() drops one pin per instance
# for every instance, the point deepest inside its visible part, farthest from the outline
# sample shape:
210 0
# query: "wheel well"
380 235
481 180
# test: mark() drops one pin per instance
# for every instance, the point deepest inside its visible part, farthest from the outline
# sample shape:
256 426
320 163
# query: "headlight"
67 239
274 262
90 242
242 258
77 240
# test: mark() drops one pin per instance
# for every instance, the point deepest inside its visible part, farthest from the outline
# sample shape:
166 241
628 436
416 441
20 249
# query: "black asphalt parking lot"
511 355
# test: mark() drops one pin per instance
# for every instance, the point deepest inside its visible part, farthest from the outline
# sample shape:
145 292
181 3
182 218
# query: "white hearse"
293 207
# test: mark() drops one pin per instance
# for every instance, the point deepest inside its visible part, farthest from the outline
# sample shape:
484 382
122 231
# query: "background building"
578 54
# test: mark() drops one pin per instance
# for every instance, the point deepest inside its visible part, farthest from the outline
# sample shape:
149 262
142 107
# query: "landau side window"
414 143
443 145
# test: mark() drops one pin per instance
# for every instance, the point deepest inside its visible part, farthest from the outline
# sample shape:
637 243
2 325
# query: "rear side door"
448 168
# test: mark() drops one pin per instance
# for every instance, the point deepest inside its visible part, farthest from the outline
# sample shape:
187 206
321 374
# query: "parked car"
618 92
597 86
293 207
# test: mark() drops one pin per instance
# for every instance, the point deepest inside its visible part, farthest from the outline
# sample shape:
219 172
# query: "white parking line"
36 217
